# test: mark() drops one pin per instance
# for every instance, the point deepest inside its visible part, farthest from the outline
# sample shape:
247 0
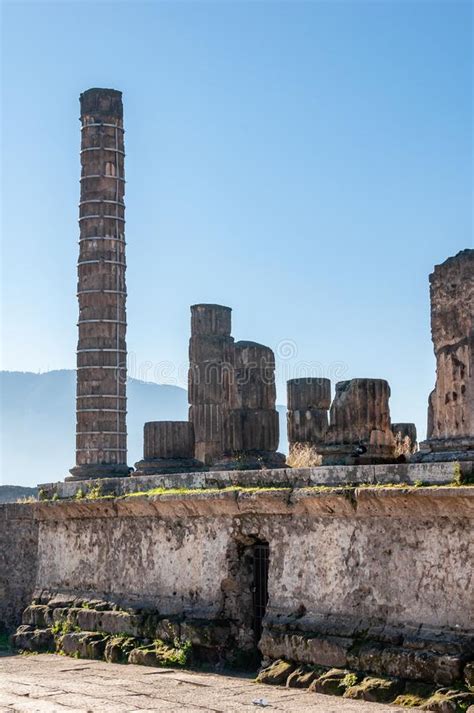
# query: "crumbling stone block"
330 651
302 677
27 638
418 665
111 622
334 682
378 690
277 673
84 644
360 429
38 616
118 648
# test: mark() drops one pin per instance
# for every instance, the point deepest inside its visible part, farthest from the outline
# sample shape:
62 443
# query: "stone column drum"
168 447
101 434
450 434
251 429
211 353
308 402
360 425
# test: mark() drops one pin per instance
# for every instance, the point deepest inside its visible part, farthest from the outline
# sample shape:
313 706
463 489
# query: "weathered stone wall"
375 579
382 553
18 561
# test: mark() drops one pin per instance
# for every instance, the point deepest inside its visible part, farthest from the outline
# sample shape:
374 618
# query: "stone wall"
375 579
401 555
18 560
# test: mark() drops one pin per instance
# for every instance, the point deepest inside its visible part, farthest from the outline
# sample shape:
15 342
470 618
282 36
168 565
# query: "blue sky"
306 163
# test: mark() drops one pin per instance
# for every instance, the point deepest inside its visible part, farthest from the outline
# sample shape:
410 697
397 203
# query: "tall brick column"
451 403
101 437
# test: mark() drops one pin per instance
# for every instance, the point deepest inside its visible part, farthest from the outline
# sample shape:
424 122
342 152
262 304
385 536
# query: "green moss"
4 642
347 490
176 655
408 700
457 474
193 491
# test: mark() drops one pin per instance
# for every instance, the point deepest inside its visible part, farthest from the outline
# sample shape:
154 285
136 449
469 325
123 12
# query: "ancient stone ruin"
101 406
359 430
405 438
307 418
214 554
168 447
211 356
231 394
251 428
451 403
360 424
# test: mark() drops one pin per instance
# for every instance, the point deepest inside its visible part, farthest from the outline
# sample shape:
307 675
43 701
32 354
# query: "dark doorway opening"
261 560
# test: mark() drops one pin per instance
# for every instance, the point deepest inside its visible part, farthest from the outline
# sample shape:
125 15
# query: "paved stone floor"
56 684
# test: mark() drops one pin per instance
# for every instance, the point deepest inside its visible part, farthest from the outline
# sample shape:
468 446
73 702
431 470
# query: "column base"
443 450
162 466
101 470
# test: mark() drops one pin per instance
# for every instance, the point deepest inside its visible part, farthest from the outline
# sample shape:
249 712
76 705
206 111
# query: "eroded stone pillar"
450 434
307 417
101 434
360 425
251 429
211 353
168 447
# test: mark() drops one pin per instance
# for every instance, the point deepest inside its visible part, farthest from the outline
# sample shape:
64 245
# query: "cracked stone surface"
56 684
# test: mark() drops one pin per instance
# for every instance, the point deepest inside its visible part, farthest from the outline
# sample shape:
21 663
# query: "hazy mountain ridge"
37 419
13 493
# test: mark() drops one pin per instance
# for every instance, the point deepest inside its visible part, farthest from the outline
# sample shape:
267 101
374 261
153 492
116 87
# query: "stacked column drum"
253 423
231 389
211 356
308 402
101 438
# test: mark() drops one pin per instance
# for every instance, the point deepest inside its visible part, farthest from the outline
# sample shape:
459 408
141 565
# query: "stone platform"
386 474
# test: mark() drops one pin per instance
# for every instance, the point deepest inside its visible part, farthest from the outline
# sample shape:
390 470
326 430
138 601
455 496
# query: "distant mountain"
37 422
13 493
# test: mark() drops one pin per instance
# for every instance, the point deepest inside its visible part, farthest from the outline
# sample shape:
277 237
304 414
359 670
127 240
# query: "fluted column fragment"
307 416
